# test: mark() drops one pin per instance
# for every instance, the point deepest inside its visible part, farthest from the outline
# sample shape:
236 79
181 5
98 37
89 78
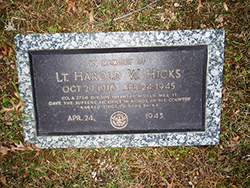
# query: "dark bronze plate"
119 90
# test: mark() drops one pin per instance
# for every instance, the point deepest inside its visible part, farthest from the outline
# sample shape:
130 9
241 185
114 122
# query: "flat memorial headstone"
121 89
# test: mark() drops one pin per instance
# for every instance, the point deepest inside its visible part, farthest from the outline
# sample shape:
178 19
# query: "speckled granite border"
213 38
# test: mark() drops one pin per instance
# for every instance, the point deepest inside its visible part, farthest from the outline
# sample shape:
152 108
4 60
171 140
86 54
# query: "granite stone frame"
213 39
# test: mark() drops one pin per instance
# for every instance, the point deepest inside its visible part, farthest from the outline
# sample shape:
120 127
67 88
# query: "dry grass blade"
225 6
4 182
135 11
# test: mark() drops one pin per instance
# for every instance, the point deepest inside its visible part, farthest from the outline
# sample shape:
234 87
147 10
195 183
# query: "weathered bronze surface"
119 90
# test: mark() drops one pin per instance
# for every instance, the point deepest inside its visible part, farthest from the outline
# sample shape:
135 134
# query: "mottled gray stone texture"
214 39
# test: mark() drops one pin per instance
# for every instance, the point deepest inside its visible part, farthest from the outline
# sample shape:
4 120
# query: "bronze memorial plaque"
119 90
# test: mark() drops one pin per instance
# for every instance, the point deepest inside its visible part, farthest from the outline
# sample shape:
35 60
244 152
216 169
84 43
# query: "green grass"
224 165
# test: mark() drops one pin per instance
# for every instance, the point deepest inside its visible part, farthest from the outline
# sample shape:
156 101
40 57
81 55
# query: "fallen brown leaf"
233 144
91 18
227 169
15 107
22 147
223 105
221 158
71 6
4 150
236 138
4 51
25 175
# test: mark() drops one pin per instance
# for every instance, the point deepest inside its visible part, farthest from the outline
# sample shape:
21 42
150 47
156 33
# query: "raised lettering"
64 77
133 74
171 73
78 76
178 73
151 74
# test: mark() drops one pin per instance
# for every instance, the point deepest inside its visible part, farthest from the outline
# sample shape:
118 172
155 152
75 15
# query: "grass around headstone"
223 165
